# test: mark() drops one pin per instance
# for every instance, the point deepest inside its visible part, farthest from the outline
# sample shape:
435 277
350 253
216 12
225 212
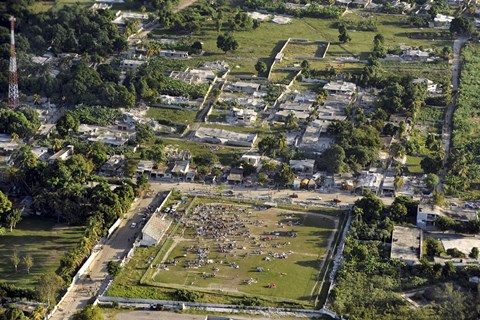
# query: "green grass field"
45 241
300 268
173 115
413 164
264 42
226 155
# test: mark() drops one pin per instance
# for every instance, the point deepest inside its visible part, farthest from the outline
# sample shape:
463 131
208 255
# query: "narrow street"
113 249
450 109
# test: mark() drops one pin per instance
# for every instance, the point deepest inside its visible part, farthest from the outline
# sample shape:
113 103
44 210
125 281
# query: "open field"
44 240
172 115
221 247
226 155
304 49
265 41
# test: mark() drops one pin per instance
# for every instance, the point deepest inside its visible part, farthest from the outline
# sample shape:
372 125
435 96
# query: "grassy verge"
43 240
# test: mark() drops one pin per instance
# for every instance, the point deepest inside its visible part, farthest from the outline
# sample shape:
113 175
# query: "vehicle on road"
336 200
293 195
133 225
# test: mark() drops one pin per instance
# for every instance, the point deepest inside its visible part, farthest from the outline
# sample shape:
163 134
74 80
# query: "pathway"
450 109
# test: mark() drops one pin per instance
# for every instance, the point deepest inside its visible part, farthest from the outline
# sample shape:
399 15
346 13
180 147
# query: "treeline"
313 11
60 192
465 160
369 24
73 28
369 282
22 123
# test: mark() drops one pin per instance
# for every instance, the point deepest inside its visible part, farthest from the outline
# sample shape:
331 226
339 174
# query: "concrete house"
154 230
303 167
427 214
340 87
64 154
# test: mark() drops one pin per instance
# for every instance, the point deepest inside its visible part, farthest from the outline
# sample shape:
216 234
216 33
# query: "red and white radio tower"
13 75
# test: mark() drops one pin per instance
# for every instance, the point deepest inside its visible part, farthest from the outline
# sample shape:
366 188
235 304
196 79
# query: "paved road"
450 109
262 193
113 249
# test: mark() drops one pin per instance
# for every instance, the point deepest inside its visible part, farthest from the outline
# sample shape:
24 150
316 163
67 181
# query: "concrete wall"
211 307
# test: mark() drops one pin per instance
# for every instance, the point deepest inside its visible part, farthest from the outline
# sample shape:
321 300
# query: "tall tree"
47 286
226 42
5 204
15 259
343 36
143 132
28 261
13 217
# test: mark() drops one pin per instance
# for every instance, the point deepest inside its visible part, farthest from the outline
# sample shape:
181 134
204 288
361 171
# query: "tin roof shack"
406 244
235 176
427 214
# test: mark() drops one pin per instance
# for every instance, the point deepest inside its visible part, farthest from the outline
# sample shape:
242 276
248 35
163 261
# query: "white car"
133 225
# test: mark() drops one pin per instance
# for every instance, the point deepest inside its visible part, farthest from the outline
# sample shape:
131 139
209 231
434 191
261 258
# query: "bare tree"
15 260
28 260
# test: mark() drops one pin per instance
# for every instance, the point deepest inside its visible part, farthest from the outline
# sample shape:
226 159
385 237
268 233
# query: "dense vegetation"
465 159
369 283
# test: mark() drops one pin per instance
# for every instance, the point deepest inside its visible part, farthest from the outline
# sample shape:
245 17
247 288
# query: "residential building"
247 87
181 167
283 114
220 136
297 106
113 166
369 180
415 55
406 244
303 167
235 176
128 64
173 54
427 214
340 87
194 76
253 159
431 86
244 116
64 154
442 21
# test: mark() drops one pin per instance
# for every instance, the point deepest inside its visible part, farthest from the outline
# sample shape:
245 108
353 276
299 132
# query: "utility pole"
13 74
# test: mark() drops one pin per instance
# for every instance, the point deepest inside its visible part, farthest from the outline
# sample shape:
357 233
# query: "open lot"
40 238
240 250
172 115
